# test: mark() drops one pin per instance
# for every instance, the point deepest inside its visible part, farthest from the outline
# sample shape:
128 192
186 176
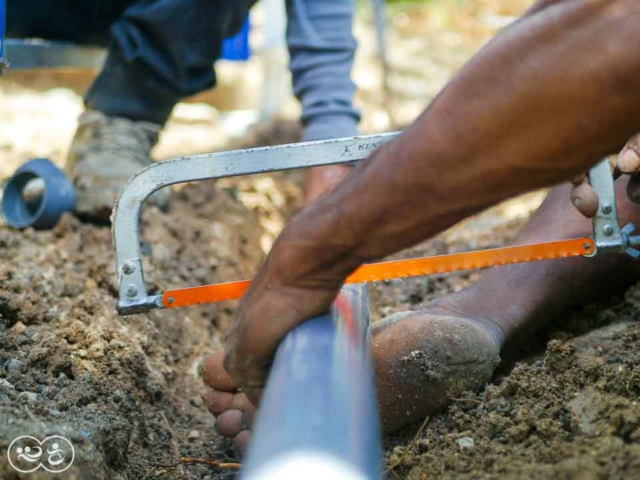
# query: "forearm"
322 48
542 102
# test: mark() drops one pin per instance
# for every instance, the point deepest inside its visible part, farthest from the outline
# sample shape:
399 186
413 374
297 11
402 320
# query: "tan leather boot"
105 153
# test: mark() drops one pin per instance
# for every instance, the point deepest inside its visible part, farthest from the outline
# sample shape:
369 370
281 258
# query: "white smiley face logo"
27 454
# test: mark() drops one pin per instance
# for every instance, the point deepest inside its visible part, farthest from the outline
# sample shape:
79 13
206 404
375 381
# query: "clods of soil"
124 390
570 412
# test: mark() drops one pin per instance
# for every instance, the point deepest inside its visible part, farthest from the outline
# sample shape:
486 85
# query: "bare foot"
425 358
233 410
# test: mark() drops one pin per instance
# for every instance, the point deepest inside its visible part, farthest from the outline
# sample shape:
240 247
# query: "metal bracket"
133 296
608 236
606 228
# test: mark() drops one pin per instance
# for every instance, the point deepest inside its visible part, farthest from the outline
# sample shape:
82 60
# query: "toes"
241 441
234 412
242 403
249 416
218 402
215 376
229 423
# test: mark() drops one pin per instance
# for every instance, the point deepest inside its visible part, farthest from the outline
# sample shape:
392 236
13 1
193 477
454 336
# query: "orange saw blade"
403 268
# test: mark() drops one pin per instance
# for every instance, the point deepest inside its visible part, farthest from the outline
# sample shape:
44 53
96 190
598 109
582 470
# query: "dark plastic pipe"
57 196
319 416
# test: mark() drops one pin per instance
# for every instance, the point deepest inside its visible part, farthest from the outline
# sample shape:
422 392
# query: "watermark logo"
27 454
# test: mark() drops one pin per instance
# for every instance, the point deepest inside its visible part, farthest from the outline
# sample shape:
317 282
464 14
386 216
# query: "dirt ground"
126 390
565 408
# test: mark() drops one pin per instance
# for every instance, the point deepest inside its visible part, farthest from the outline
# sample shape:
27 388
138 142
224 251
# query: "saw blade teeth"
385 271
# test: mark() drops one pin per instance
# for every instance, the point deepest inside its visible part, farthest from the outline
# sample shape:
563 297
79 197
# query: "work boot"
105 153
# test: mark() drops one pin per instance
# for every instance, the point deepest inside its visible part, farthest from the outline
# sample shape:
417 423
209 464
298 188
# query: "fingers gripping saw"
608 236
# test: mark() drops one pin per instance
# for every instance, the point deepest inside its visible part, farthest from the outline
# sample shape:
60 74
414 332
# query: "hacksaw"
607 236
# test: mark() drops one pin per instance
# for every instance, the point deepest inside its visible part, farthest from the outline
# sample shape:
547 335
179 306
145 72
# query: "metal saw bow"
133 296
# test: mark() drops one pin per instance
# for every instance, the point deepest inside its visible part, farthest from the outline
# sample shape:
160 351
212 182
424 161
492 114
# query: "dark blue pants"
160 51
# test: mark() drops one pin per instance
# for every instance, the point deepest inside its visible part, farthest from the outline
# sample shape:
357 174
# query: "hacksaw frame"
133 295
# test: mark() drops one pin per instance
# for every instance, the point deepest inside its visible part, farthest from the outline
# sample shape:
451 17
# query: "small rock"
96 350
193 435
29 396
559 357
396 455
6 384
422 445
196 402
517 433
547 428
161 253
579 468
55 413
18 328
146 249
13 365
466 442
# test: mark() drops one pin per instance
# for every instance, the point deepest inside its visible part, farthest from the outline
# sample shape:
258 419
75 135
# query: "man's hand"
297 282
585 198
540 104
